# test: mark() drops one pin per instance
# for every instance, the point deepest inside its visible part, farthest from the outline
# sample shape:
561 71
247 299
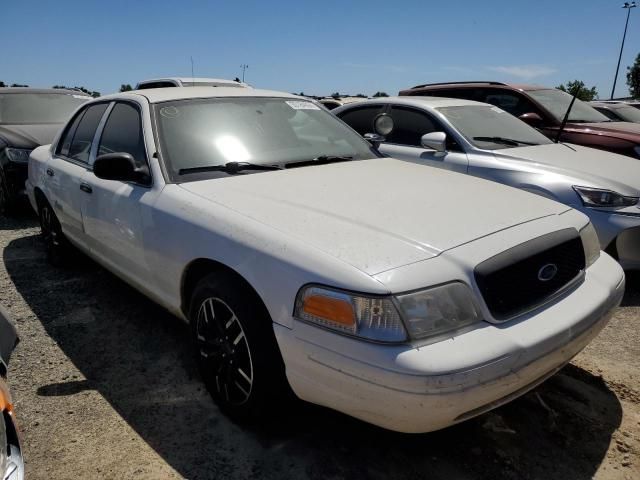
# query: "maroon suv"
544 108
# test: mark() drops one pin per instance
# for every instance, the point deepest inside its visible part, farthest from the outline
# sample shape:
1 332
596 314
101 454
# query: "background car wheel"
236 349
55 243
6 202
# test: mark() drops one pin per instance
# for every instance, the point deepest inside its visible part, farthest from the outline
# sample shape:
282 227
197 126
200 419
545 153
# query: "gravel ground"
106 387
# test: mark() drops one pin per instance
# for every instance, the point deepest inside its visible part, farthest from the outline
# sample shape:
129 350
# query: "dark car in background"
29 117
11 463
618 111
544 108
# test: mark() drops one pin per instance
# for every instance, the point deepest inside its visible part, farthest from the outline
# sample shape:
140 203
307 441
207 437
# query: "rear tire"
54 240
236 349
7 203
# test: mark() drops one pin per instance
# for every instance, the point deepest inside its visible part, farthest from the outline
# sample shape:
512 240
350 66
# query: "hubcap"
224 350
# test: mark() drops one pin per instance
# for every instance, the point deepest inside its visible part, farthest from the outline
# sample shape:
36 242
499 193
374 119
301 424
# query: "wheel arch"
199 268
40 197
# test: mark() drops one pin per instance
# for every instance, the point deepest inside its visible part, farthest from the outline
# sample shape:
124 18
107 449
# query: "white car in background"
411 298
482 140
189 82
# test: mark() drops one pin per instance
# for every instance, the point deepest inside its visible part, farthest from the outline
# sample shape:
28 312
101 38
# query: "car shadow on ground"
138 357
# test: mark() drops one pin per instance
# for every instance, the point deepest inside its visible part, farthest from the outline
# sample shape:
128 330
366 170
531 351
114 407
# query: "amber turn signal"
331 309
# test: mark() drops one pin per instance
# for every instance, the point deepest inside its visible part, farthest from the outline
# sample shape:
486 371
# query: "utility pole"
628 6
244 66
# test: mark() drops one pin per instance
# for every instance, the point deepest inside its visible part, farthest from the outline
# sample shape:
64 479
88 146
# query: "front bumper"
619 235
423 388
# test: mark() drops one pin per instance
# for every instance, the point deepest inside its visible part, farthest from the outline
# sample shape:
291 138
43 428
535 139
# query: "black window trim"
100 130
56 153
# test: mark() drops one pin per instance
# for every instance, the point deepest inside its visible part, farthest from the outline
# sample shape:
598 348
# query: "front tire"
236 349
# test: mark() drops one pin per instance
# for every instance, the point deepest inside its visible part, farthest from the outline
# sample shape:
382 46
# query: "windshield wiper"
320 160
231 168
504 141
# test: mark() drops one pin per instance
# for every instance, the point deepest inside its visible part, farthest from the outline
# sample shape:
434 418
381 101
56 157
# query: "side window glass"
67 137
84 133
410 125
608 113
123 133
361 119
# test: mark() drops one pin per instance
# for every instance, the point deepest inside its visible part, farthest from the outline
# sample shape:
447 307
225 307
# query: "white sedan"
411 298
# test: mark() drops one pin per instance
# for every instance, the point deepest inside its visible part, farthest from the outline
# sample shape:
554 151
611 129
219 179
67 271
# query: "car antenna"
566 115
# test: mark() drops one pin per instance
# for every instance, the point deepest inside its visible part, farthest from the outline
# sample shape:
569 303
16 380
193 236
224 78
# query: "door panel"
63 181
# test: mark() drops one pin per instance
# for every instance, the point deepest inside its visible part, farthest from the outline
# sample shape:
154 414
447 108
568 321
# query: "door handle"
50 172
85 187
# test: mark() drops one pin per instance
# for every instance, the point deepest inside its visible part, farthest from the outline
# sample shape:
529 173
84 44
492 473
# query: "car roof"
188 80
420 101
480 83
157 95
61 91
609 105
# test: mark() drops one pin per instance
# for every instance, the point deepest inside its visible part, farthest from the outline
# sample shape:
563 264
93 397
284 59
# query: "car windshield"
34 108
630 114
557 102
491 128
199 133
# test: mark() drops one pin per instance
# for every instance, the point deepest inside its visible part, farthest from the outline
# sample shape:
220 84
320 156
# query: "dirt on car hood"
376 214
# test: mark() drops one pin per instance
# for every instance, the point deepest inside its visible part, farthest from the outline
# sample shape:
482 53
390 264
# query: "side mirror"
119 166
532 119
434 141
374 139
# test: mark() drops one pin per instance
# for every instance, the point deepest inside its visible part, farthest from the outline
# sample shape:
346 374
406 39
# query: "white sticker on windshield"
498 110
298 105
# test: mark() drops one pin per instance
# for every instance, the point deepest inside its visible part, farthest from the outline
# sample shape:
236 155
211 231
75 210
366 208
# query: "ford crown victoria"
409 297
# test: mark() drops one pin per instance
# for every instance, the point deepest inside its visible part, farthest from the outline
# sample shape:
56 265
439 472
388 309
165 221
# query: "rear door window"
80 145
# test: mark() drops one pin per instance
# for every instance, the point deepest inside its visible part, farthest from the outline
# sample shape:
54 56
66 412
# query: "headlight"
590 243
438 310
595 197
368 317
18 155
426 313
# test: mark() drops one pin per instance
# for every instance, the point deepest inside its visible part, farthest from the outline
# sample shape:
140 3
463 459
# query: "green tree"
633 78
18 85
580 90
125 87
335 94
2 84
380 94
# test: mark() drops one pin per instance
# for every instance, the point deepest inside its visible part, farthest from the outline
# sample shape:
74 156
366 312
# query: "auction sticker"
298 105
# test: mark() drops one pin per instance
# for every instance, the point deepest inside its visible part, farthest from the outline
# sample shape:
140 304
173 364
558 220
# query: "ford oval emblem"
547 272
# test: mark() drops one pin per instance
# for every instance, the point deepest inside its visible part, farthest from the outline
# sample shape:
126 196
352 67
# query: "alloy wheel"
224 351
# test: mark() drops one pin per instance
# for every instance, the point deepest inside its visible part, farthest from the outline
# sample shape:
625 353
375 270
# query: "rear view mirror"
532 119
116 166
434 141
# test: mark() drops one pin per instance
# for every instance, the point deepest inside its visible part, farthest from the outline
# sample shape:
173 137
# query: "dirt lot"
105 387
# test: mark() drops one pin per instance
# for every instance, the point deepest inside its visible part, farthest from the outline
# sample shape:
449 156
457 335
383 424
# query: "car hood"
376 214
626 130
29 136
595 168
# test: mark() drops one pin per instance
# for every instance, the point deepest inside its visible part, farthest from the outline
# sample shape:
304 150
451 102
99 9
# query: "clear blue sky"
316 46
